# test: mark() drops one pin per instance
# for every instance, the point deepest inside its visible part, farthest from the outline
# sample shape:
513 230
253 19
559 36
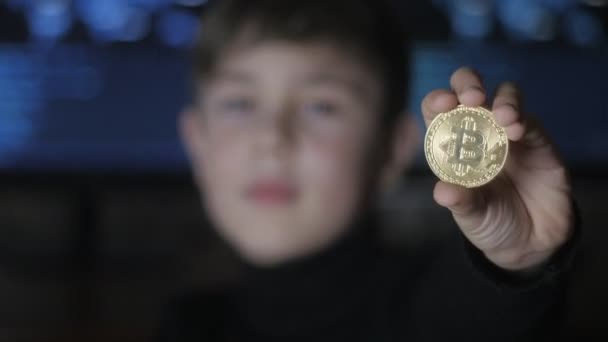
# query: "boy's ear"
191 133
403 147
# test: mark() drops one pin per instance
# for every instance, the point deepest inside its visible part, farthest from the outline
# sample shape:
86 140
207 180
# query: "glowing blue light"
472 18
177 28
525 19
583 28
103 16
49 19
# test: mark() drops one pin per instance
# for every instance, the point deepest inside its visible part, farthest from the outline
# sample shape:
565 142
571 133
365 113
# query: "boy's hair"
365 28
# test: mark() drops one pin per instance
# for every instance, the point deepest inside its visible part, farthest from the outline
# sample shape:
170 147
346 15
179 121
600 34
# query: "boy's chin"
268 251
267 258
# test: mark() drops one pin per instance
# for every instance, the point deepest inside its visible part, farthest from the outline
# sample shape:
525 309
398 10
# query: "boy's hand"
525 214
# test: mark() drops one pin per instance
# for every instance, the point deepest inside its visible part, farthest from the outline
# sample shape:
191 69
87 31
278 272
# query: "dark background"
99 221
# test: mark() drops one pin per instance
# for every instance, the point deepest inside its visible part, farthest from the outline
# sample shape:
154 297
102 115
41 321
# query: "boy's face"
279 144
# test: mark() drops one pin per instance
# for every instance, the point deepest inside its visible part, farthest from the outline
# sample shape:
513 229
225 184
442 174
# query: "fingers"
507 111
438 101
468 86
467 205
467 89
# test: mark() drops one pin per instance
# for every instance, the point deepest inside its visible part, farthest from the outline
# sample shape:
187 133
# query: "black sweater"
358 290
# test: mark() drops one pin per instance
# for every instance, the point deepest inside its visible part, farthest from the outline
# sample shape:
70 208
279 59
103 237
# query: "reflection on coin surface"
465 146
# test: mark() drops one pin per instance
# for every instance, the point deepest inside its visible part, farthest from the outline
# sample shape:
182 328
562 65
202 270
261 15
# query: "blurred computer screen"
96 85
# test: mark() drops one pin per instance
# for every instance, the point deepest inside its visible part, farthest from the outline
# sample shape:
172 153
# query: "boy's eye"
237 105
320 108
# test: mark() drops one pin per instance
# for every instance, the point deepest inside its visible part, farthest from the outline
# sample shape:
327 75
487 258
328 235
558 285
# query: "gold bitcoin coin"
466 146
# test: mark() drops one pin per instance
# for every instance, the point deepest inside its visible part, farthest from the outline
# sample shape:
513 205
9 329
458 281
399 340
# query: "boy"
297 124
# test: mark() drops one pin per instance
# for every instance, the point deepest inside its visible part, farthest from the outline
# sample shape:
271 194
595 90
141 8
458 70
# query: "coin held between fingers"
466 146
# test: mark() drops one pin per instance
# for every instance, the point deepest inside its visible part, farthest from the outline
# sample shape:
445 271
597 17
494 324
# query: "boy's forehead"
306 64
329 78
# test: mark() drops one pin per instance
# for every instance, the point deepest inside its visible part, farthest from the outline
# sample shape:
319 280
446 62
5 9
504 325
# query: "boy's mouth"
271 192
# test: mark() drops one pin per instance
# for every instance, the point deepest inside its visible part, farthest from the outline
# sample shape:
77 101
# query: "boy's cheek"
220 169
333 171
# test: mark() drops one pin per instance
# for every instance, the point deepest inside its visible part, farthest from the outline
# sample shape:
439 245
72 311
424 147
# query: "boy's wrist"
524 279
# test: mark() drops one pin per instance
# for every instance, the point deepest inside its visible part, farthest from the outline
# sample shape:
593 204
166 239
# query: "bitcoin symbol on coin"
456 146
466 147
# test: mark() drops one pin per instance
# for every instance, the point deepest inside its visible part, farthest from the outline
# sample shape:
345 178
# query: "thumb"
468 206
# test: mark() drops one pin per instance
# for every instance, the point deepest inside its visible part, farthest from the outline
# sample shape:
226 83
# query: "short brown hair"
366 27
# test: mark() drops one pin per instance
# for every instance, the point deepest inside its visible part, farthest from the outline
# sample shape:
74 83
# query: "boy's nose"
275 134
